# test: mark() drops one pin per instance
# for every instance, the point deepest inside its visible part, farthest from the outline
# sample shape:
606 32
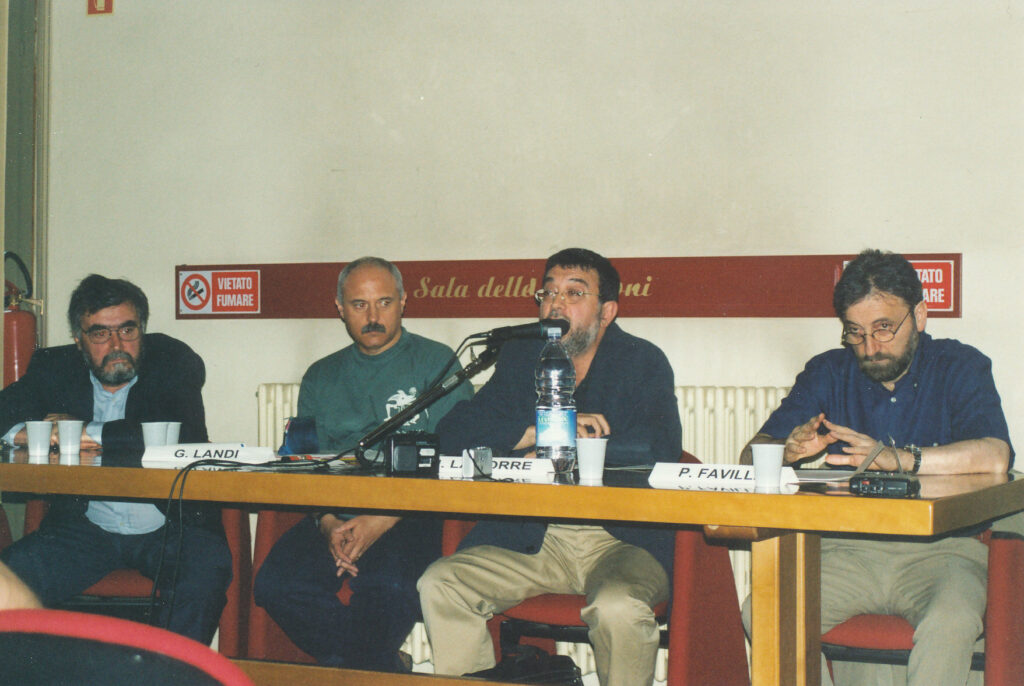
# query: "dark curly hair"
875 270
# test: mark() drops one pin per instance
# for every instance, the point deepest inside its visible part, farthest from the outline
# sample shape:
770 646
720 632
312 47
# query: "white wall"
263 131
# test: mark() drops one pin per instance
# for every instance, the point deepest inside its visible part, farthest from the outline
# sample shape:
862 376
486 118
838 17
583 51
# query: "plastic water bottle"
555 376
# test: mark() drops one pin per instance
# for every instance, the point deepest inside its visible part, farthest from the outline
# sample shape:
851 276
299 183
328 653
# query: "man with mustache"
349 393
115 377
934 400
624 390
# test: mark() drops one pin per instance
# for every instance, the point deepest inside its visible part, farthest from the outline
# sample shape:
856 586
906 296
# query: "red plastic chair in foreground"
124 592
705 638
888 639
57 646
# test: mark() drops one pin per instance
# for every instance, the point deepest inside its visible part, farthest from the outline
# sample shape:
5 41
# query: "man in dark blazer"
114 377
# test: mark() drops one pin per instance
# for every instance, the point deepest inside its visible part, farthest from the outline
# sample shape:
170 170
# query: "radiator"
275 403
717 422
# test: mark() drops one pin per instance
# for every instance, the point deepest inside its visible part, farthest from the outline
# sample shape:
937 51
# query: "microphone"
531 330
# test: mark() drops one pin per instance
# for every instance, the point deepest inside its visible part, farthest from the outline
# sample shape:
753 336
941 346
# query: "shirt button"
892 399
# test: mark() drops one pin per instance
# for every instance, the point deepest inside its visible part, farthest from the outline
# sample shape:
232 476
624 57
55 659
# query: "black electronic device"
886 484
412 453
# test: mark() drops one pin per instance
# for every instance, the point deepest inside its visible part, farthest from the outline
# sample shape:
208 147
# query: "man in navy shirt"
936 402
624 390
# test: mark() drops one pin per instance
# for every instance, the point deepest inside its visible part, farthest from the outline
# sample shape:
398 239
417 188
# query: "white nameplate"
455 467
523 469
183 454
714 477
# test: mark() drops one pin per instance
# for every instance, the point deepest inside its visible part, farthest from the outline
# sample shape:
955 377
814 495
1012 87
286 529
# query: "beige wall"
264 131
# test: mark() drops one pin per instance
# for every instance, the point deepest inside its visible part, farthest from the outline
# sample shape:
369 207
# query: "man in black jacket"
113 378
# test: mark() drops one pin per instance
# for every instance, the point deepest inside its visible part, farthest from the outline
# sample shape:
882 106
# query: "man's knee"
203 580
435 575
953 621
616 605
265 587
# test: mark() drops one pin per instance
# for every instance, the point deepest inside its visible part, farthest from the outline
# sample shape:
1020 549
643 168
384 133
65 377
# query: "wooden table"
785 559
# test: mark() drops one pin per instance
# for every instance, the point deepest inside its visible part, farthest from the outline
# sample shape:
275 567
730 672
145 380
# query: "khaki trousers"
621 583
939 587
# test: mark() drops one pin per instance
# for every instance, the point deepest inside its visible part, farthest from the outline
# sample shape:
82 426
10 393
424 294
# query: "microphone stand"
485 360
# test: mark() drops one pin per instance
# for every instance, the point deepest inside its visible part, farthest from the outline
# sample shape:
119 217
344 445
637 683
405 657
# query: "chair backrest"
56 646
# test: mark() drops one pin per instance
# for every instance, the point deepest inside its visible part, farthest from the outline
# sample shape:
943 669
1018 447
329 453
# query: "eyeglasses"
570 295
102 334
883 334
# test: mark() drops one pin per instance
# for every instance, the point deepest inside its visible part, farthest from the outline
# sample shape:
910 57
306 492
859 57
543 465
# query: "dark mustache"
374 327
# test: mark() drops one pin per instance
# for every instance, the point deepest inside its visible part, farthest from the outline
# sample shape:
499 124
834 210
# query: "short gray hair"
372 262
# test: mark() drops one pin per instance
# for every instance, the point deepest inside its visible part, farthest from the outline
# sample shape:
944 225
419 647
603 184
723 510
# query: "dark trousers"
68 554
298 586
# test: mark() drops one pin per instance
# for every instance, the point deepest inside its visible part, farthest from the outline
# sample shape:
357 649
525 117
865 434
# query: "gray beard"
576 342
120 373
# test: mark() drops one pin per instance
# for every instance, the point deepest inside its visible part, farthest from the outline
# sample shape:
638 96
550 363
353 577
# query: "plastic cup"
154 433
173 430
69 431
39 437
767 465
590 457
483 460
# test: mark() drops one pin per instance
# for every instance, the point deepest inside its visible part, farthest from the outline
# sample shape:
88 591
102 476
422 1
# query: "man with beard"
934 400
349 393
624 391
115 377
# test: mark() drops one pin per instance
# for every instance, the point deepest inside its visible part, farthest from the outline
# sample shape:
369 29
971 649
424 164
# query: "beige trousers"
621 583
939 587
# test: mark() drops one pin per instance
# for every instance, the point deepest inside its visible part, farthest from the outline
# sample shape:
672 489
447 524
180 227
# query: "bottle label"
556 428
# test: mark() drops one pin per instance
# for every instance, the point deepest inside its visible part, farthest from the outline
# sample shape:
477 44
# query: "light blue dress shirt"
112 516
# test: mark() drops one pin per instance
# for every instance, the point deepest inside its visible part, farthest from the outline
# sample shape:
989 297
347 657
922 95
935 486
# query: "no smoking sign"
219 292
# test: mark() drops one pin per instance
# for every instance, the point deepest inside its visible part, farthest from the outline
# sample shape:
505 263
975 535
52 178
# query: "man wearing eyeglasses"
113 378
935 402
624 390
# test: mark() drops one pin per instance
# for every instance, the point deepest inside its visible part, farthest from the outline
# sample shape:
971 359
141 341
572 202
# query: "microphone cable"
177 484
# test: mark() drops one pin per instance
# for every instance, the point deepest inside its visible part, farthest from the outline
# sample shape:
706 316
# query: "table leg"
786 610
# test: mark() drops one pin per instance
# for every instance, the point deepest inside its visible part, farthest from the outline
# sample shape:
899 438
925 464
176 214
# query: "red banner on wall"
754 286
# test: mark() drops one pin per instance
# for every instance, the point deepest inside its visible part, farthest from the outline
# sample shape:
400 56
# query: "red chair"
123 592
888 639
267 640
57 646
705 637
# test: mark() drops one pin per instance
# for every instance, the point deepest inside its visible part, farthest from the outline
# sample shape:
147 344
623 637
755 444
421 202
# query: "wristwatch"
916 452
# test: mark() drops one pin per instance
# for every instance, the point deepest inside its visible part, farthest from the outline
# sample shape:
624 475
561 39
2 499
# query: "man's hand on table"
349 539
590 425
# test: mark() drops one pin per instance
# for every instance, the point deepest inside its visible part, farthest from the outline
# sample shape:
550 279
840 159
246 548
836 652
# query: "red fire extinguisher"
19 325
